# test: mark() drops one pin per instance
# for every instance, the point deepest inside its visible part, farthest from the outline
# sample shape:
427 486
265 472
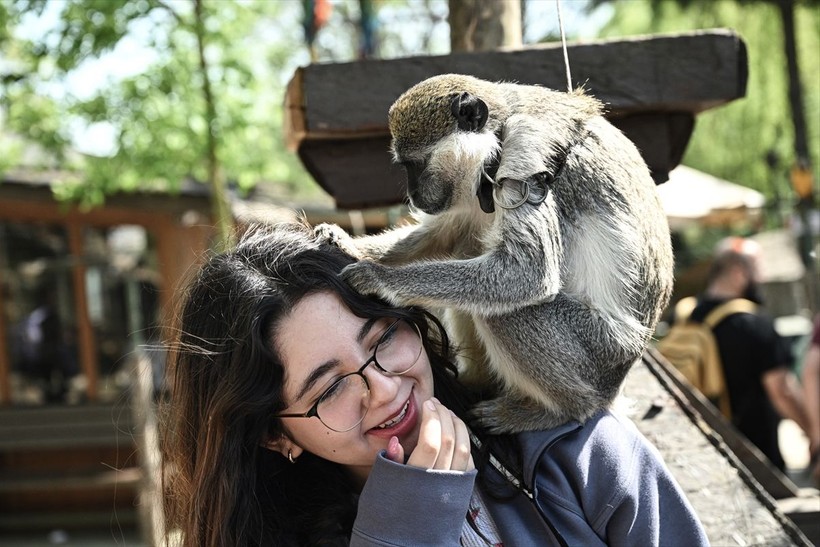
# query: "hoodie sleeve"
403 505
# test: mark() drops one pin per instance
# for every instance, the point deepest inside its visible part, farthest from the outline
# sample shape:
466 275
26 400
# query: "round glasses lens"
343 406
510 195
399 348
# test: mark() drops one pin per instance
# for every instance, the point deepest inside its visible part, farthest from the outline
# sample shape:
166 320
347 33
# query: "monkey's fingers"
333 234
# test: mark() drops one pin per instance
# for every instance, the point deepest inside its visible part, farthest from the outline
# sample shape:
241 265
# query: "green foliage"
24 114
158 116
733 141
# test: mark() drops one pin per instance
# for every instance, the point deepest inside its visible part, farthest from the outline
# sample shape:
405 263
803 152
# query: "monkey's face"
446 175
442 140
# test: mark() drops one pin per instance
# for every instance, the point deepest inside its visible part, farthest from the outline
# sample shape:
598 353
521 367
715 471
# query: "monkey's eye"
413 168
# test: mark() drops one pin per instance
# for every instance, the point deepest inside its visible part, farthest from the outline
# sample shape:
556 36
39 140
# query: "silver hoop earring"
290 457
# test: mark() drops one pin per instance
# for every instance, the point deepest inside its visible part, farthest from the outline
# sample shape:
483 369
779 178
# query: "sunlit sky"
133 55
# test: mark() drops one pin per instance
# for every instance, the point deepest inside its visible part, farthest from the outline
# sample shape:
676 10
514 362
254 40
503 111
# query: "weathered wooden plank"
661 137
732 505
770 478
684 72
358 173
653 87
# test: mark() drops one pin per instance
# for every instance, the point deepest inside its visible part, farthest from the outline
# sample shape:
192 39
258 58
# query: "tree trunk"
223 219
801 146
483 25
802 165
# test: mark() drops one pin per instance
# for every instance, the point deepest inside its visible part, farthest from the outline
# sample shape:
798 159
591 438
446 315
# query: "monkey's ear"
469 111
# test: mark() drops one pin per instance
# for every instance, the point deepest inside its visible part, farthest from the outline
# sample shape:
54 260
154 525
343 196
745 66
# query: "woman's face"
321 340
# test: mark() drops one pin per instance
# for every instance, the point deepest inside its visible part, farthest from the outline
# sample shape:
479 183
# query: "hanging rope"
564 45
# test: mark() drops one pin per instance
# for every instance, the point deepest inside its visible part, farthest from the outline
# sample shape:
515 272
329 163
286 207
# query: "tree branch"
172 11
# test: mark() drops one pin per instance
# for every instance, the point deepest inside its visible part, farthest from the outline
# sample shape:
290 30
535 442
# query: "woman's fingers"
426 452
462 456
444 442
395 451
448 438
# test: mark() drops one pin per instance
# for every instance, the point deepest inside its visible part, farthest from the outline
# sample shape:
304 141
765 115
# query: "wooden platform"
336 114
738 496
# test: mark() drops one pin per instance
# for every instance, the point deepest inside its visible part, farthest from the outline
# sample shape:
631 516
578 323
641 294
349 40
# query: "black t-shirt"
749 347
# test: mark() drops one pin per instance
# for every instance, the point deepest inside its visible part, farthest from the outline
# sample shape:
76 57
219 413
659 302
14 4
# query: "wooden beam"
358 173
776 484
688 72
661 137
22 208
653 87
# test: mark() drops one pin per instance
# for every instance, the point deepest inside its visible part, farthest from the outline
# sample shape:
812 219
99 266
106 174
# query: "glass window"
121 285
38 304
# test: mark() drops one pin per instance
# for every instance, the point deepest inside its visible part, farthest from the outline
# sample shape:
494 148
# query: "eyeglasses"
344 404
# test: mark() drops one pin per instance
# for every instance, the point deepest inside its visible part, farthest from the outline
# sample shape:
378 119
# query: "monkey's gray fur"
552 302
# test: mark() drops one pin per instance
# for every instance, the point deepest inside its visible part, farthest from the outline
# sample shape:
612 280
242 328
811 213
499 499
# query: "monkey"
540 236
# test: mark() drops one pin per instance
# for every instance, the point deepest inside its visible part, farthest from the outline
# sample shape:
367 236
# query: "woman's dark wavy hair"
221 487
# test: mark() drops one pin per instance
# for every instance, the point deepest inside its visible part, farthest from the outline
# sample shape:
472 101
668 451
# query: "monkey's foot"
513 414
333 234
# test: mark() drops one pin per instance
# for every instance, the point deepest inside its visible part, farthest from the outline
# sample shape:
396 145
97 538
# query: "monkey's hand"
367 277
333 234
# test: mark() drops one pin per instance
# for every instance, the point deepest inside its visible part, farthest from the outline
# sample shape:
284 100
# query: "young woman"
302 413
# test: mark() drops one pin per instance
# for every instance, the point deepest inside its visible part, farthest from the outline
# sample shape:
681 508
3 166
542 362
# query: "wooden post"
484 25
5 362
87 347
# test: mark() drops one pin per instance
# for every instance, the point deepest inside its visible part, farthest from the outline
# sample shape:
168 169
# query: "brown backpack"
691 347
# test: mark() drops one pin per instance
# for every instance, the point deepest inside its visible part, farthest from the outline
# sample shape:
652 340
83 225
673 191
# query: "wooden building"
103 273
80 292
82 295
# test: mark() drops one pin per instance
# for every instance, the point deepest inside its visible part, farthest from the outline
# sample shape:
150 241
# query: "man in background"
811 388
756 360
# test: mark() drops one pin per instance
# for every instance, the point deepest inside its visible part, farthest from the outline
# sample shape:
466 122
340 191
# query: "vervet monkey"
540 234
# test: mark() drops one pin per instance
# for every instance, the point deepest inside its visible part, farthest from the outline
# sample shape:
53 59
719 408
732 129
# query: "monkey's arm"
367 247
403 241
522 268
532 145
396 246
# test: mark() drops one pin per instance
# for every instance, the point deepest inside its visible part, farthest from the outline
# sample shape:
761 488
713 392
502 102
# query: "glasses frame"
313 411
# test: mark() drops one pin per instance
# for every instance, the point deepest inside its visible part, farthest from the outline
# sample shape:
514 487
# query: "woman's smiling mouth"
397 419
399 425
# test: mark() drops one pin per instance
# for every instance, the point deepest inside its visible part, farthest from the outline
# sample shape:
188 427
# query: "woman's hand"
443 441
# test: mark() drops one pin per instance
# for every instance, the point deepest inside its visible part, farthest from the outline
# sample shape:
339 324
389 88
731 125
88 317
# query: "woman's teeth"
397 419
